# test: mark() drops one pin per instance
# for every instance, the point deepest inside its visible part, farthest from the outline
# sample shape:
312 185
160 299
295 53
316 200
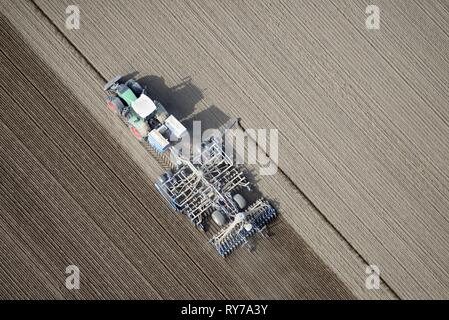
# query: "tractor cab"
143 106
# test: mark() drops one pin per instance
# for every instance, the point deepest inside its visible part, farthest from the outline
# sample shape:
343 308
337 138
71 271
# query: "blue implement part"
258 221
157 146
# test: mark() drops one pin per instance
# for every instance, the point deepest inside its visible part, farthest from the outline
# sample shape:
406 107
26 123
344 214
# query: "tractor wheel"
134 86
135 132
114 104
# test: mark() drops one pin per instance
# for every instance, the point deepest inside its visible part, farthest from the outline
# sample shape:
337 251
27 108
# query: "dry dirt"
363 123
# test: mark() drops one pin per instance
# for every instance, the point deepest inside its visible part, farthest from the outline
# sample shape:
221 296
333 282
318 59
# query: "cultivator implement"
218 168
188 193
208 185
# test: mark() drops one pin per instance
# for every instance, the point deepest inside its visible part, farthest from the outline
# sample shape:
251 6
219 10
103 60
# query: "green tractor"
147 119
129 100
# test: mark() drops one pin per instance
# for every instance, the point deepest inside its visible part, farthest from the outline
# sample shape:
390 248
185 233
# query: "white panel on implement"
143 106
157 140
175 126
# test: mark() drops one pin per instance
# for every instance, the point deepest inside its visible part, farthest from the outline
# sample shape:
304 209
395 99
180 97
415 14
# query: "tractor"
148 120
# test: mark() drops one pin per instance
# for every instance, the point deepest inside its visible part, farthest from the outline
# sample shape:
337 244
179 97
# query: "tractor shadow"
179 100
